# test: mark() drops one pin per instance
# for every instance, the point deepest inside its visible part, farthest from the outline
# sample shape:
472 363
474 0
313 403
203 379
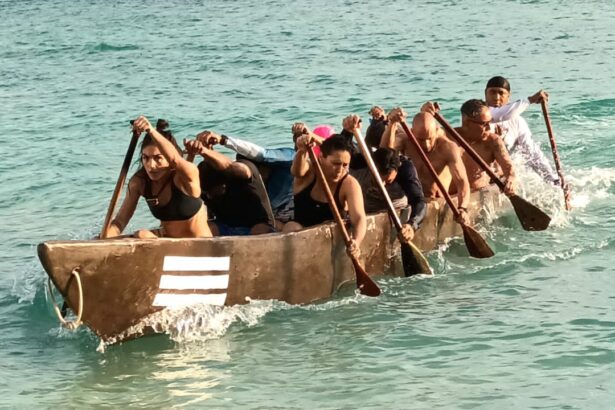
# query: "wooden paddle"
531 217
120 182
365 284
558 165
477 246
412 259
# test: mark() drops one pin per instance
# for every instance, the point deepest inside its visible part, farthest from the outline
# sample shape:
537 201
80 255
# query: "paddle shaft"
412 259
453 133
558 165
120 182
432 171
372 167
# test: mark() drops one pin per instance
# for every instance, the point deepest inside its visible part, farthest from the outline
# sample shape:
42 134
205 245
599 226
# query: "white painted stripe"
196 263
175 300
194 282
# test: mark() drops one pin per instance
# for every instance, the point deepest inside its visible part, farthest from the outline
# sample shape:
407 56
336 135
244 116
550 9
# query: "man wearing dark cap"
516 134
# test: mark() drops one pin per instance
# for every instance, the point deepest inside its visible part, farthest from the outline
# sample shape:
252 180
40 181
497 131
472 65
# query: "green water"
532 327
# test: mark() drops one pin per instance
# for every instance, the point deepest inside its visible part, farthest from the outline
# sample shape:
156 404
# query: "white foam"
177 300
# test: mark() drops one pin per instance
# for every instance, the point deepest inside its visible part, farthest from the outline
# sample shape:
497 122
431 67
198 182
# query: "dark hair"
374 132
498 82
386 160
162 127
210 176
334 143
473 108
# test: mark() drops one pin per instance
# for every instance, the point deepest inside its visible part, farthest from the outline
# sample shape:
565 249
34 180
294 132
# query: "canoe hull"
122 279
126 280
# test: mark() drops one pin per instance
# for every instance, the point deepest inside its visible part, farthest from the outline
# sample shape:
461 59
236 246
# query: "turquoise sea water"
532 327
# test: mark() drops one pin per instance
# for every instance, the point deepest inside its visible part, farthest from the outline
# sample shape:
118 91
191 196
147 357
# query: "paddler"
232 190
514 131
401 181
475 129
311 205
170 186
444 155
274 166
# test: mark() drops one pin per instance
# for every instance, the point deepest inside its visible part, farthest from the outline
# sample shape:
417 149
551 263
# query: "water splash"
200 322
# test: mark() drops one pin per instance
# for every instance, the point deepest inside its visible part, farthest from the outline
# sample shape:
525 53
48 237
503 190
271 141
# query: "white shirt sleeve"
508 111
531 152
245 148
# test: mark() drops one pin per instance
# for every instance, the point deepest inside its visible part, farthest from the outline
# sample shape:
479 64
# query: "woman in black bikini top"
169 184
311 206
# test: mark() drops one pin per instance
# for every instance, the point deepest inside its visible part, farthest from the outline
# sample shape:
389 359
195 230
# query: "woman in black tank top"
311 207
169 184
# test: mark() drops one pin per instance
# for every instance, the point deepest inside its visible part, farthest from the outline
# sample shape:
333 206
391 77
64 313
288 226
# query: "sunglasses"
484 124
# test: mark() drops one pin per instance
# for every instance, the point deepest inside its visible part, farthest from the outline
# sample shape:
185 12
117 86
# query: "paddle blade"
413 260
476 244
531 217
365 284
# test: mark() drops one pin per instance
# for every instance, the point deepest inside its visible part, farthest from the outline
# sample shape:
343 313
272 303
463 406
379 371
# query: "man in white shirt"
507 122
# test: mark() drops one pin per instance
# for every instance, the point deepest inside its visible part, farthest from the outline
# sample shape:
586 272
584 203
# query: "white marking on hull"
196 263
194 282
174 300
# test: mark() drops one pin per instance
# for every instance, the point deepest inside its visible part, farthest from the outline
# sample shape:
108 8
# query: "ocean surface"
532 327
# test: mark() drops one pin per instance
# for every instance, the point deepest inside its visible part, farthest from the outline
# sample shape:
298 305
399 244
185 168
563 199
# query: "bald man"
441 152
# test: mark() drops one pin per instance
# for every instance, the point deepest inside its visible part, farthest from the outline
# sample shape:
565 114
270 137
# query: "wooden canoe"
125 280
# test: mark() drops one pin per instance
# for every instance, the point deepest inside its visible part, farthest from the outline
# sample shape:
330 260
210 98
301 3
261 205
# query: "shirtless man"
440 151
475 129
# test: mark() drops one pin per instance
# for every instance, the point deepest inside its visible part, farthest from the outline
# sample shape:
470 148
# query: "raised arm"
242 147
187 173
390 131
516 108
458 175
503 159
353 196
222 163
508 111
166 147
409 181
301 164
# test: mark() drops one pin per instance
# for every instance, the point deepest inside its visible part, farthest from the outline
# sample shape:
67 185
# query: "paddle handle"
431 169
558 164
374 171
120 182
477 158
